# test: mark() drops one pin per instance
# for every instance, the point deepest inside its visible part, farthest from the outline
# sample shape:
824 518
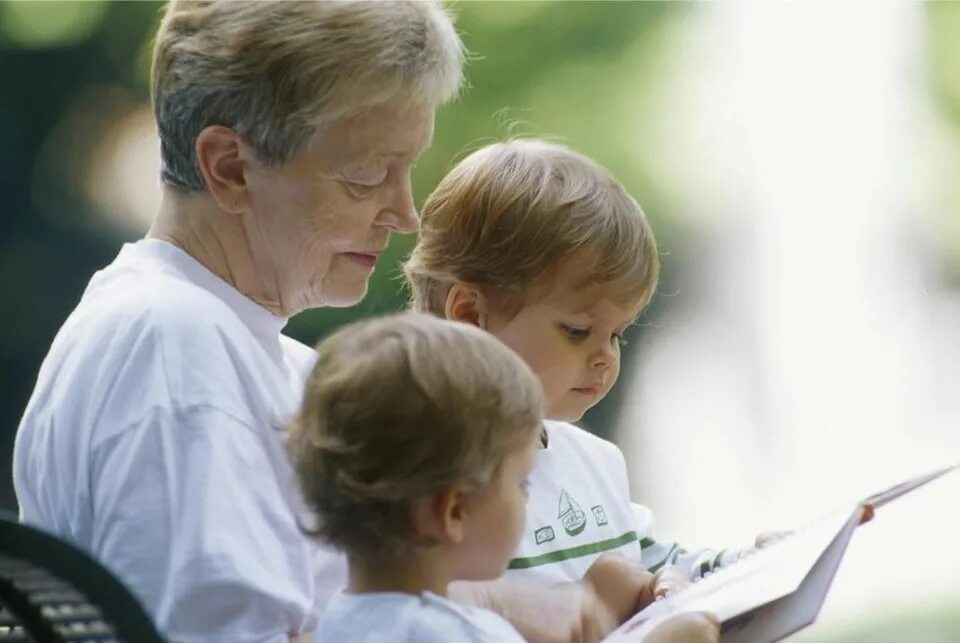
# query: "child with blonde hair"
412 450
544 249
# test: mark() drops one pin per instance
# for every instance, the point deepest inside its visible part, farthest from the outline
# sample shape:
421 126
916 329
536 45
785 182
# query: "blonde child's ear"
452 505
441 517
466 303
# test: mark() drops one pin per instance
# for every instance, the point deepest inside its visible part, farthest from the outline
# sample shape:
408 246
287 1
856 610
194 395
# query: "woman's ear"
466 303
221 157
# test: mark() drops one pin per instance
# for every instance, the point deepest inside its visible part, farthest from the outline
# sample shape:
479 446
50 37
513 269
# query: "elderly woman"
152 437
288 131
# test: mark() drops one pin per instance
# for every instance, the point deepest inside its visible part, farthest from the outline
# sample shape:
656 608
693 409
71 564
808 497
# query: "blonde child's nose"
603 357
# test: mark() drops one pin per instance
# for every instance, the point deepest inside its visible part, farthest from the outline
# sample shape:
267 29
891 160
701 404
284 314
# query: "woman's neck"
219 241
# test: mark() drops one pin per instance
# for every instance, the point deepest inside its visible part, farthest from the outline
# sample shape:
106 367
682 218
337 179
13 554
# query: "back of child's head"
397 409
513 212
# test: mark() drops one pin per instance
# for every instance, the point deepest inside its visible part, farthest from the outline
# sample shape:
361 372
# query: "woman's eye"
359 191
575 332
365 177
362 188
369 182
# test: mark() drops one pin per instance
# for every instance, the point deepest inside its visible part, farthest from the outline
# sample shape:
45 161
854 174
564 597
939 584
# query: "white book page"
770 574
757 579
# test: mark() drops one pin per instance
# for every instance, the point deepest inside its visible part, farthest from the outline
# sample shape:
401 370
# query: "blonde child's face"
496 518
570 337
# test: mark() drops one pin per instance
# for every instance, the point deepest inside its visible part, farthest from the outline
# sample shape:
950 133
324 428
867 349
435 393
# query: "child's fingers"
668 581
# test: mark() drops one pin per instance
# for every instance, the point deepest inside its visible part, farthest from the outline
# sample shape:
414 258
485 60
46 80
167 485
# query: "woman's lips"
365 259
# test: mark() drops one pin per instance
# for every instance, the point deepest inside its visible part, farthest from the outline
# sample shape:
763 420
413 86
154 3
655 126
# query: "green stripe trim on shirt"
718 559
573 552
647 542
665 561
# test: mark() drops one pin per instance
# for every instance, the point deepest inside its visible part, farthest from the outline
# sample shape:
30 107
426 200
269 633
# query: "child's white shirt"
579 507
393 617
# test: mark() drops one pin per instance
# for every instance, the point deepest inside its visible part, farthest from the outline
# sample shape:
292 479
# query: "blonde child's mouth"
589 391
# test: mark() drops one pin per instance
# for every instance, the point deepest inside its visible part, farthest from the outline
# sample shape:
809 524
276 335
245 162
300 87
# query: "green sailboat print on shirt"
571 516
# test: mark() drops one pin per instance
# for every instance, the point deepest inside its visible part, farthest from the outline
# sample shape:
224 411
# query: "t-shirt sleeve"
189 514
656 553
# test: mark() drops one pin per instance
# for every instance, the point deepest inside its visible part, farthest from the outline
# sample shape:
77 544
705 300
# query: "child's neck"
413 575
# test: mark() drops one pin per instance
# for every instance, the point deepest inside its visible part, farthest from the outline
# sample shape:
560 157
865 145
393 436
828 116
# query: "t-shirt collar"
262 322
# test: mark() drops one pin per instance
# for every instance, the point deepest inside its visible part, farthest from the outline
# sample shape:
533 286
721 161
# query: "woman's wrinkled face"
318 222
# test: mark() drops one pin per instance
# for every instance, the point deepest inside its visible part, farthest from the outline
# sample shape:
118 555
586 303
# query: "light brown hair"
278 72
511 212
399 408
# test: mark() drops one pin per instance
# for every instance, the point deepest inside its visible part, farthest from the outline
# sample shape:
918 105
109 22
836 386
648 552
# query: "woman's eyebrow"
418 151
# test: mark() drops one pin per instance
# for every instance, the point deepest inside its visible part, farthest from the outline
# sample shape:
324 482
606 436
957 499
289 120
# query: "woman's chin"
341 295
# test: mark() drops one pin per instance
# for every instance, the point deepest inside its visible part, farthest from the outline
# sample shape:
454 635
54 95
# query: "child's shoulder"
564 435
408 618
463 623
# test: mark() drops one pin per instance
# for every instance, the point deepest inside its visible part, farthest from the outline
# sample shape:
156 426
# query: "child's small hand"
621 584
690 627
668 581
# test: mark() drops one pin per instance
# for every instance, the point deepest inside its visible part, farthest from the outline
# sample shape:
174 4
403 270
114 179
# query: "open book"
774 591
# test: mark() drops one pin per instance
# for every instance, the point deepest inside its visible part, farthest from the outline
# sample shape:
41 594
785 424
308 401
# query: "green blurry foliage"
943 24
43 25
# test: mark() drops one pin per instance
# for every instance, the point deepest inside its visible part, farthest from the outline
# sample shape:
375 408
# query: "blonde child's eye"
618 340
575 332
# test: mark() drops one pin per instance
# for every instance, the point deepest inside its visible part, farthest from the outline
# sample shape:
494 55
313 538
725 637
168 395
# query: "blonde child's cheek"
614 372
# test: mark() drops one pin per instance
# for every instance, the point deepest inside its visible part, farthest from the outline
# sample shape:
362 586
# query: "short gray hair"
277 72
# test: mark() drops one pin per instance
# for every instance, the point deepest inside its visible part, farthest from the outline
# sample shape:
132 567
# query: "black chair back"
52 592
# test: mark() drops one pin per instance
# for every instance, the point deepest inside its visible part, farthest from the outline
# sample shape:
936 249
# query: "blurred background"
799 164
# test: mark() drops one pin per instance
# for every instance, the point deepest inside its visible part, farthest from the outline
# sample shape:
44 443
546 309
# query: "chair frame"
118 607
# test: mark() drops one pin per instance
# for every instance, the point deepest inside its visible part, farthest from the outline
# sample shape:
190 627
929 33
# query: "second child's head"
544 249
413 445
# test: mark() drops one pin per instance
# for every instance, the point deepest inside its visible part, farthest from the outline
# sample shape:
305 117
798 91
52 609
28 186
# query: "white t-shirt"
388 617
579 507
154 440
